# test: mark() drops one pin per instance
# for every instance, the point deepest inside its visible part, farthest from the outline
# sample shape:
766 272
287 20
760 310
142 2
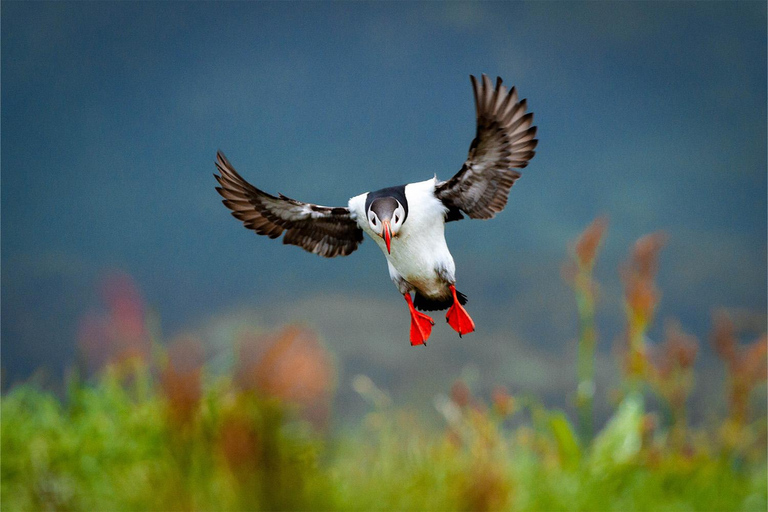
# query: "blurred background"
652 114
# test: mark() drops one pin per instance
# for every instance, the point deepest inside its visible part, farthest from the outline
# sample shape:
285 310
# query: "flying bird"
407 221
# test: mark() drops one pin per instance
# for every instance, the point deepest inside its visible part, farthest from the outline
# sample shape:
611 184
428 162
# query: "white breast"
419 250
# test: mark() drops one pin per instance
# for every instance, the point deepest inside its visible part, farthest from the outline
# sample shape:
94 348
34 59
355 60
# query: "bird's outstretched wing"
505 139
320 230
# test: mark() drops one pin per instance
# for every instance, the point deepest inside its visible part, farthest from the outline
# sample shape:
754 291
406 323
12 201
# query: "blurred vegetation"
145 426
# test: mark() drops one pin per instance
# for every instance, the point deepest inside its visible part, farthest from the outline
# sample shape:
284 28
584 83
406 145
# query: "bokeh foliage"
151 428
117 444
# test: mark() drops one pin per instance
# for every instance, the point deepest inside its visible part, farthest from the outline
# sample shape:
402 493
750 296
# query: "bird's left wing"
505 139
318 229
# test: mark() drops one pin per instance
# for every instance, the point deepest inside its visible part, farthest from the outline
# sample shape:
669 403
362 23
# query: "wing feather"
327 231
504 140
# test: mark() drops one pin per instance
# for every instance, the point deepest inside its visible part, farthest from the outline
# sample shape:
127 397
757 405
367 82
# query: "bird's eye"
396 219
373 220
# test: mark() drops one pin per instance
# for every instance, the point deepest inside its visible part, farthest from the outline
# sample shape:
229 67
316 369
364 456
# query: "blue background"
653 114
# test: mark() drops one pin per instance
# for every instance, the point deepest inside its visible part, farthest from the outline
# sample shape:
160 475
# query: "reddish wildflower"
503 402
294 368
250 350
747 371
484 488
181 379
120 334
723 336
754 360
578 273
126 305
672 376
589 241
453 437
460 394
577 270
683 348
641 293
642 298
679 349
746 365
645 254
240 444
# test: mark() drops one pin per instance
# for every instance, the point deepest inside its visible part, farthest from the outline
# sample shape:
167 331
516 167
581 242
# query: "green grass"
153 430
118 443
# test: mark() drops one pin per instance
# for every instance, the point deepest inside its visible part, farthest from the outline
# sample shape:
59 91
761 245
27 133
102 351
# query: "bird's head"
385 217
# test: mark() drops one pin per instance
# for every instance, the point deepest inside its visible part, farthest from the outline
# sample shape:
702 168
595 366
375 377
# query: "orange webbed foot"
421 324
457 316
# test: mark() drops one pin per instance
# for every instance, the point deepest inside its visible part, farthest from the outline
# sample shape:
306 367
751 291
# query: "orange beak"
387 234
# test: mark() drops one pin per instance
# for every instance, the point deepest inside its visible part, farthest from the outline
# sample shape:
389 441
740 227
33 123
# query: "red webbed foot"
421 324
457 316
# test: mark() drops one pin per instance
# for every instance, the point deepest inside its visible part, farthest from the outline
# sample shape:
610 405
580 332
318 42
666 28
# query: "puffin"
408 221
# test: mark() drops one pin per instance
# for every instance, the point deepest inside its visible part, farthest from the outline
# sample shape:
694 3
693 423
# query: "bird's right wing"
505 139
322 230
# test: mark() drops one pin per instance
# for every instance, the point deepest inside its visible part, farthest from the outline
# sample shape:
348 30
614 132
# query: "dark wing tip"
331 234
220 158
504 142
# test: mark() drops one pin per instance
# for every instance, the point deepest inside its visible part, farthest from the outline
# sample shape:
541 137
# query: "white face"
395 222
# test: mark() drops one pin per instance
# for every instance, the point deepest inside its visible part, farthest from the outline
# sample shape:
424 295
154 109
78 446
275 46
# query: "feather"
504 140
323 230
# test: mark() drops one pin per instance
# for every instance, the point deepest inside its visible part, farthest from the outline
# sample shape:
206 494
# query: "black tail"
426 304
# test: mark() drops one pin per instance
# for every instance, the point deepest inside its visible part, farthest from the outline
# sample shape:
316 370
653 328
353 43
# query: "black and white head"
386 216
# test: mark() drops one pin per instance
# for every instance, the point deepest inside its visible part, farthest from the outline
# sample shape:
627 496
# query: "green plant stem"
586 356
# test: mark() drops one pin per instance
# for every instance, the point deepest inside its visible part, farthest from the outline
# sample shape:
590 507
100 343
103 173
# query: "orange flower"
181 379
120 334
680 348
645 254
240 444
502 401
747 365
589 241
640 291
642 298
460 394
250 349
294 368
723 337
126 305
483 488
756 365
